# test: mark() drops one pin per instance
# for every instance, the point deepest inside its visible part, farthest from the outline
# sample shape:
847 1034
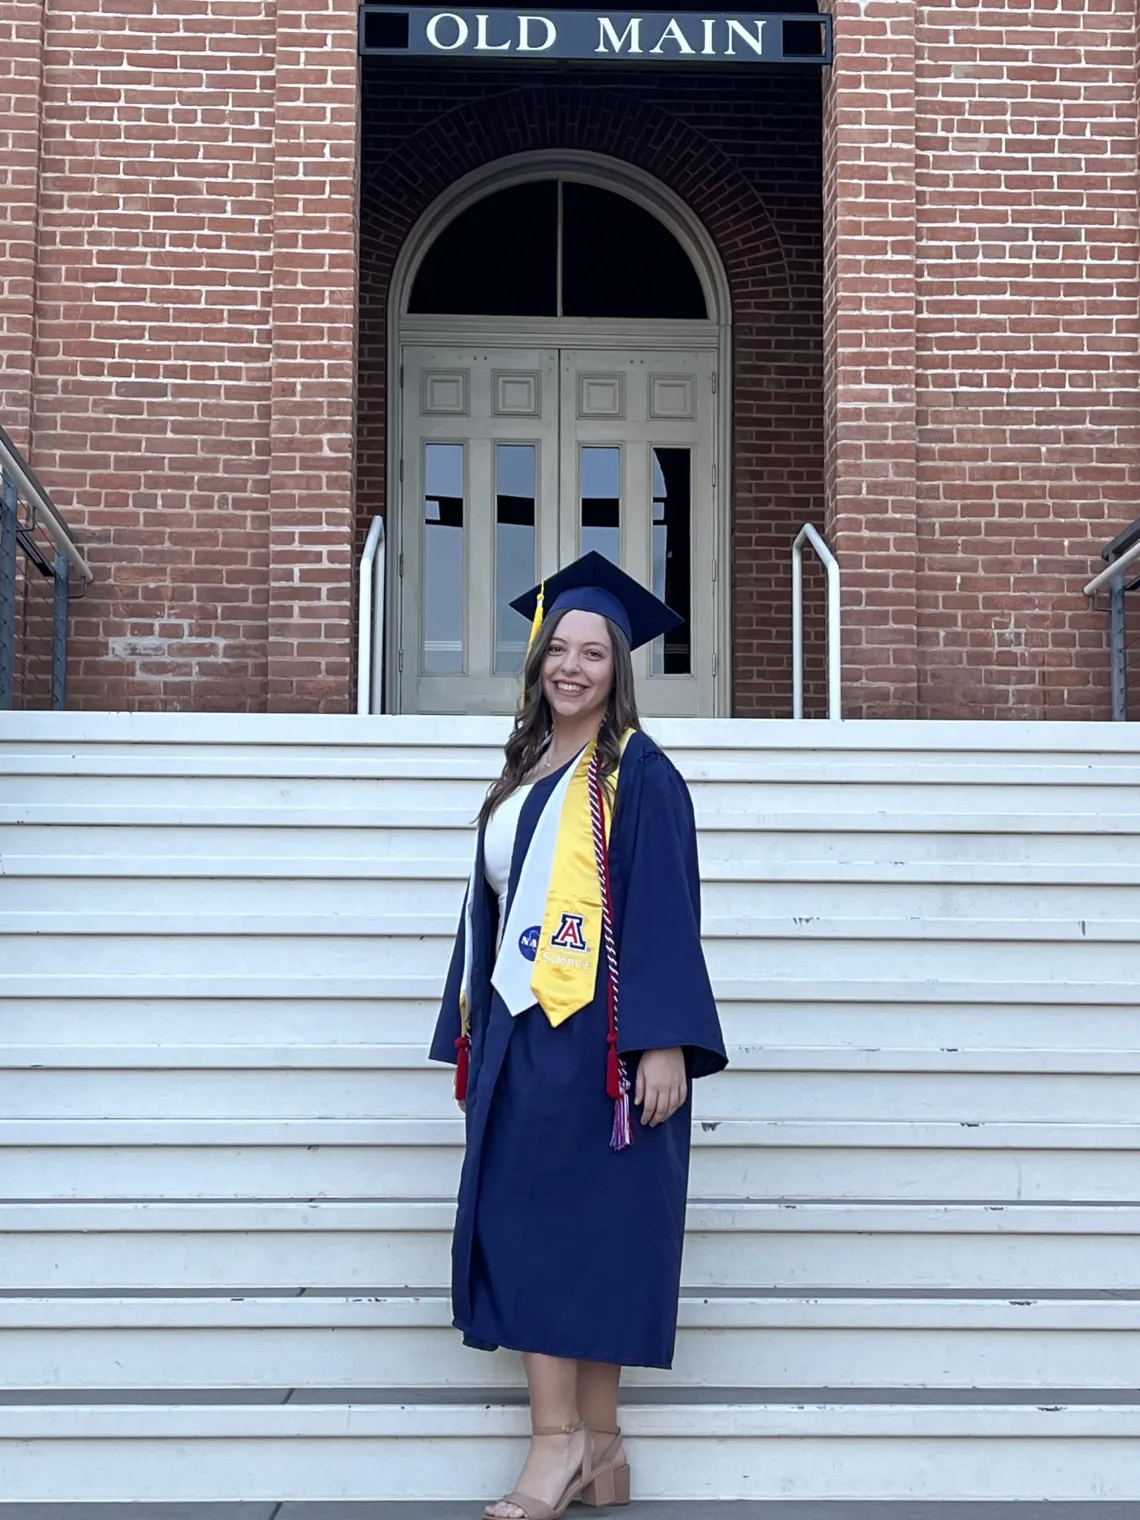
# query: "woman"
577 989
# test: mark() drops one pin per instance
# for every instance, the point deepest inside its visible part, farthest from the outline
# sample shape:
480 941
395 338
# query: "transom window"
557 248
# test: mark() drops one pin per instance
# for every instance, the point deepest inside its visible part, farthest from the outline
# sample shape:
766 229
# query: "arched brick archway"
777 459
399 188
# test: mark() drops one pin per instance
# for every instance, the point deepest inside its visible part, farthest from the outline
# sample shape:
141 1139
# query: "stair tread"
646 1509
689 1293
23 1214
632 1397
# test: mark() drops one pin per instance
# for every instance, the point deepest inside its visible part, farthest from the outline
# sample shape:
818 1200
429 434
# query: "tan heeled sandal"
610 1482
538 1509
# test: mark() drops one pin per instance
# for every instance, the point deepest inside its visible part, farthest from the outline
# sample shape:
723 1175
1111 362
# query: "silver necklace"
546 763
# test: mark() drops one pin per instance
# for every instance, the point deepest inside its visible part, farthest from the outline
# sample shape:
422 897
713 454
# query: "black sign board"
604 37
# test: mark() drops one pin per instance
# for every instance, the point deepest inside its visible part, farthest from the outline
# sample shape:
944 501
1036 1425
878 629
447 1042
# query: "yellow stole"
570 945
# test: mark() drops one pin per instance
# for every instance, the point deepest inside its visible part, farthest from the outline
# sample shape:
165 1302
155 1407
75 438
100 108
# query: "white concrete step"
299 747
869 1160
393 748
717 1447
817 851
337 901
746 1060
404 929
869 980
299 1081
1011 1248
733 809
744 1340
1028 963
798 1011
725 754
58 872
640 1509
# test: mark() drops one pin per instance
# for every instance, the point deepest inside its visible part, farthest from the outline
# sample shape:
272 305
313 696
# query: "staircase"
227 1171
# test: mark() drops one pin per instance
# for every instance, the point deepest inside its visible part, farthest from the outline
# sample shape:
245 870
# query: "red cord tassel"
617 1080
617 1088
462 1067
613 1071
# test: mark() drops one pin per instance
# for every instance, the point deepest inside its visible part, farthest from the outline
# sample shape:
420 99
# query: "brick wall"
179 346
982 314
21 84
743 152
177 304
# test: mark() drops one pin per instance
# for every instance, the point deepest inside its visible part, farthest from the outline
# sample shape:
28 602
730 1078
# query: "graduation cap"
595 584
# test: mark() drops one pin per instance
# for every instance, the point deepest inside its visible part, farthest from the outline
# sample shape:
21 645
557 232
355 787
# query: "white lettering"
525 44
709 49
607 31
673 33
481 43
755 43
461 31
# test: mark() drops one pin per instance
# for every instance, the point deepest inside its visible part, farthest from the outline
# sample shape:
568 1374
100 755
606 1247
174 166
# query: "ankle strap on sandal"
557 1430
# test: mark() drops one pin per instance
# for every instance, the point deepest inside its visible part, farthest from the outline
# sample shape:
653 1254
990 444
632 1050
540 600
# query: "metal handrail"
370 633
808 534
43 508
18 483
1122 554
1115 567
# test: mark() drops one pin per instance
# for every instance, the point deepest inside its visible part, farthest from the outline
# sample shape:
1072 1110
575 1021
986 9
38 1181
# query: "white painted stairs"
227 1171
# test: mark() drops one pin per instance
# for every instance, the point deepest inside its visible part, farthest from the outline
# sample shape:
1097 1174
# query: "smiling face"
578 672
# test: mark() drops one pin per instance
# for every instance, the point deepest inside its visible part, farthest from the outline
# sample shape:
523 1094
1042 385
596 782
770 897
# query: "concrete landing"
646 1510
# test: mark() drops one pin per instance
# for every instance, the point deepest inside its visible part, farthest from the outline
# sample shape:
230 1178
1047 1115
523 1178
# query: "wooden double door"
513 461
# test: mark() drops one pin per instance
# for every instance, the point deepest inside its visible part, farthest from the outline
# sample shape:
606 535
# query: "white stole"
519 936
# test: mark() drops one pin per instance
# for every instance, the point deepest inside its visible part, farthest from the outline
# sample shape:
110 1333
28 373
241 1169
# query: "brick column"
21 81
869 344
314 356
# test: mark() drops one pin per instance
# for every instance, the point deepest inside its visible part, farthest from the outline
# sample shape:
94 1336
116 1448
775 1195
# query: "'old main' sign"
597 36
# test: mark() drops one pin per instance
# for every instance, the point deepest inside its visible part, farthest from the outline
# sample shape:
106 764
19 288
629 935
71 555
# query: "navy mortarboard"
595 584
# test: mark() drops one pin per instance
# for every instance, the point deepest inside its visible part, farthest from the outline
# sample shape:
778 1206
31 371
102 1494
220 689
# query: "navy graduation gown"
561 1244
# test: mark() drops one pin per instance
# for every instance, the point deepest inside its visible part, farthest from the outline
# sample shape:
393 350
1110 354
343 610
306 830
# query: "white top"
499 847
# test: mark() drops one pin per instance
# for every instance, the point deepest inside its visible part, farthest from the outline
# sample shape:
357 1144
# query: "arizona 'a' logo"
569 935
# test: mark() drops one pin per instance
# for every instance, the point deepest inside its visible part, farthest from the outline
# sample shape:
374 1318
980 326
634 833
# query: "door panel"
636 462
478 523
514 462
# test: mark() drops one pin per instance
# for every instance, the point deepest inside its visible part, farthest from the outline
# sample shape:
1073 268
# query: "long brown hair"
535 722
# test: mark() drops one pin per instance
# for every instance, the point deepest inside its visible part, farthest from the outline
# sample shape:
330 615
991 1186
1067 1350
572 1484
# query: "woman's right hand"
662 1085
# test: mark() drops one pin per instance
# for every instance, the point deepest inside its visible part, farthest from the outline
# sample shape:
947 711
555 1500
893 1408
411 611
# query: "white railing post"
808 534
370 630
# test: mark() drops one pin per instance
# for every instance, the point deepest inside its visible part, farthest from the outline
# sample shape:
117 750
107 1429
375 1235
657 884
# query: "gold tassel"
535 625
536 621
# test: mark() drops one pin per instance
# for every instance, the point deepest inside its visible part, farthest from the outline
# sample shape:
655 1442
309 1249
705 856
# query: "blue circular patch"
528 941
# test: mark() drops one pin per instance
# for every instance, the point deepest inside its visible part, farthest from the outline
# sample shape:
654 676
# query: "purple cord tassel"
623 1118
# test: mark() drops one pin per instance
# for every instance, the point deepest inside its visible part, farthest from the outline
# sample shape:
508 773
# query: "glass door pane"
515 543
600 505
444 591
672 556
